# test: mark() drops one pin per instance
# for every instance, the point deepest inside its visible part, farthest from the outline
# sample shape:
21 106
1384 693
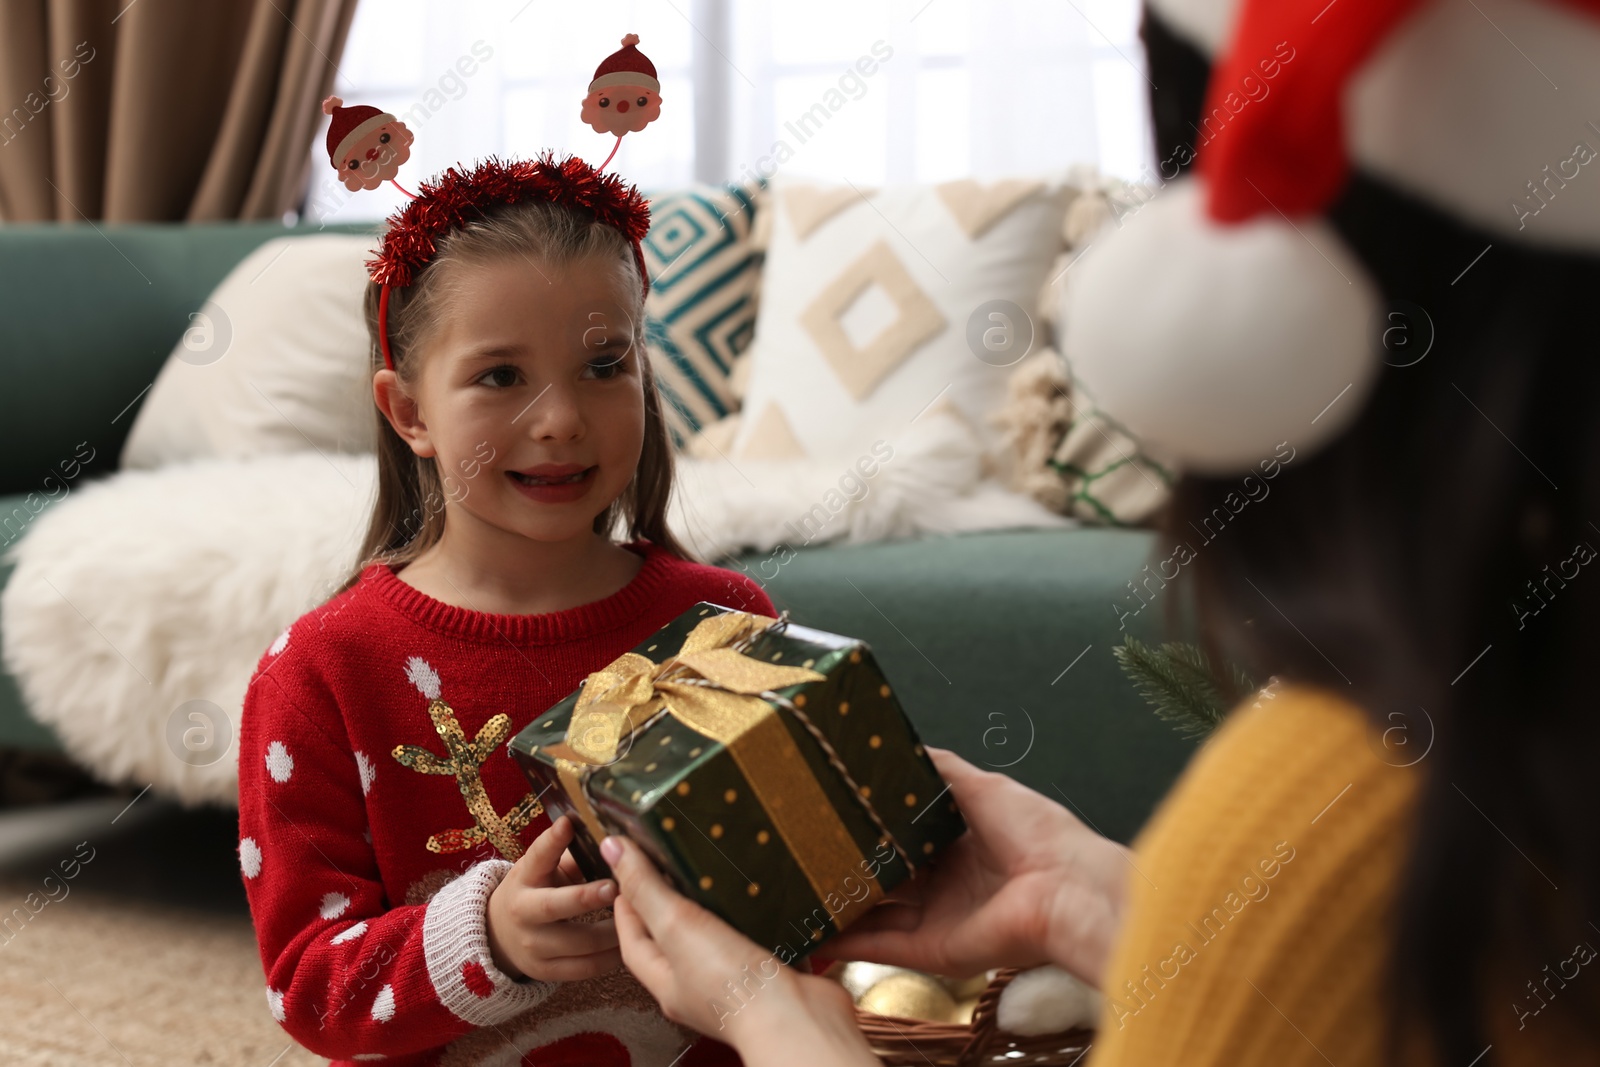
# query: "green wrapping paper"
787 831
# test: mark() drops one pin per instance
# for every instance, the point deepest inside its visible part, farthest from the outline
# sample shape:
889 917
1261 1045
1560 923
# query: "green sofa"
999 643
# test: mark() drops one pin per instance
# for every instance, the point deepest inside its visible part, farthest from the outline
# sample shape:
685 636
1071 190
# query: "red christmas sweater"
378 807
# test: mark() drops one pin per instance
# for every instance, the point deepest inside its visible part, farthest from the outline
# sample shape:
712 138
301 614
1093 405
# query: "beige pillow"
275 361
873 303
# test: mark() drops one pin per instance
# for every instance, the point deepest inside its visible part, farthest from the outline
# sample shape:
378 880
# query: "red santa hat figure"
1227 314
366 145
625 95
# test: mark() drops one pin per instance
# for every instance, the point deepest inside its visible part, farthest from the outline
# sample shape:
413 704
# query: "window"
870 91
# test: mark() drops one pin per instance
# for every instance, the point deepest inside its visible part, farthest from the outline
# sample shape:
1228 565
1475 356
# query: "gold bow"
714 689
621 698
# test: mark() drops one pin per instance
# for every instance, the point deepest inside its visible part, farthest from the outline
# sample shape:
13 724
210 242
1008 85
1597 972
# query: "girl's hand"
1027 884
708 976
530 934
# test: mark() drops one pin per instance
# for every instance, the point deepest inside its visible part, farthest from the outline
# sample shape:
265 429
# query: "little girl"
412 900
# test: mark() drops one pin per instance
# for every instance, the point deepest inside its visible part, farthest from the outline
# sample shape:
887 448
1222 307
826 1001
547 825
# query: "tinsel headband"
366 146
458 198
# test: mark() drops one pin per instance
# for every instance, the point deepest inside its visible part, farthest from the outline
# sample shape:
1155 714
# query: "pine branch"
1177 681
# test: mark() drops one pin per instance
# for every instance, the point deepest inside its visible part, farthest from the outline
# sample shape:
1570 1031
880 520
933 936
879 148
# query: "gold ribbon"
714 690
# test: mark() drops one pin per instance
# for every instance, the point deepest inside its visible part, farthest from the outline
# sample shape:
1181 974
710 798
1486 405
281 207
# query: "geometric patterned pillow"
705 282
867 300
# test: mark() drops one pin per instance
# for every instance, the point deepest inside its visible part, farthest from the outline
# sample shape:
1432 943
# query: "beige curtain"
142 110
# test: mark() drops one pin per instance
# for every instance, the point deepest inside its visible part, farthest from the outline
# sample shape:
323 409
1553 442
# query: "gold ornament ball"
910 996
962 988
962 1015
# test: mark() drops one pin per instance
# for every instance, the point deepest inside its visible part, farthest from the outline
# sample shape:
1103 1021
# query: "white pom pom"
630 40
1215 343
1046 1000
330 103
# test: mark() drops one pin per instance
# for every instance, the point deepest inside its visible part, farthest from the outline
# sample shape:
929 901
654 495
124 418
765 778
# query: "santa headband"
1227 315
367 146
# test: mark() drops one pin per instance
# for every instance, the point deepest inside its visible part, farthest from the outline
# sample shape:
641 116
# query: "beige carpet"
94 980
148 960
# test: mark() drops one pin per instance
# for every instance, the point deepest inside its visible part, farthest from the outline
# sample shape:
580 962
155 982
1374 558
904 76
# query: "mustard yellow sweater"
1257 929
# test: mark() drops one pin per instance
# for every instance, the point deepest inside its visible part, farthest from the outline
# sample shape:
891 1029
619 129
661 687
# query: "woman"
1390 856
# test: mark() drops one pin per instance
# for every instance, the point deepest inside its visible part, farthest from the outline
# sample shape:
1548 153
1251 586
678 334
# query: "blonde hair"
408 515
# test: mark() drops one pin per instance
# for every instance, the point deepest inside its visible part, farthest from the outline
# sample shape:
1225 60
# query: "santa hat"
626 66
349 125
1227 315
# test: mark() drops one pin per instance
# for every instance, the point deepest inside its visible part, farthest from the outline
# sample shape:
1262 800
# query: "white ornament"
333 905
383 1004
279 763
249 857
1214 343
1046 1000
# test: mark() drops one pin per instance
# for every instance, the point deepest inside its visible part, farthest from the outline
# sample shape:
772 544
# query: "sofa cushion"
91 313
274 361
877 305
705 282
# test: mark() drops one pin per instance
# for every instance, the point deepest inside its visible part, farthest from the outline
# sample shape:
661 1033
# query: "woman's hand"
529 913
1027 884
708 976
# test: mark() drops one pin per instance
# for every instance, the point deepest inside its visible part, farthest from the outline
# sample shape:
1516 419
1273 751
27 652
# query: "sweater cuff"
455 944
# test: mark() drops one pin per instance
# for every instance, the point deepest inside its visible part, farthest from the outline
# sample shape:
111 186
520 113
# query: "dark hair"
408 515
1411 566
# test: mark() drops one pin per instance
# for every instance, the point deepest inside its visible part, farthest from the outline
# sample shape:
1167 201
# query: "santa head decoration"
1227 314
365 145
624 96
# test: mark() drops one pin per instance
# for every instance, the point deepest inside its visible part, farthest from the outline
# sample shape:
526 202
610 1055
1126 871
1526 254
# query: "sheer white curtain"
869 91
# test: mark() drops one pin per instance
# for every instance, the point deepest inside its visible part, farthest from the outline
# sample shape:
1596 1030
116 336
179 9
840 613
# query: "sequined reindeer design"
462 759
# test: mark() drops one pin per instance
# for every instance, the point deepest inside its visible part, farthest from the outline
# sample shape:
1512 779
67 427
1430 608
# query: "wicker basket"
901 1042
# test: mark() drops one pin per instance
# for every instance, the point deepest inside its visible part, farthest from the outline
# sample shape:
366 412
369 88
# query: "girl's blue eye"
499 377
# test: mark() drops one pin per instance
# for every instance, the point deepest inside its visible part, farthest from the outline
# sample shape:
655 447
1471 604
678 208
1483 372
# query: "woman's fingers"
641 885
640 951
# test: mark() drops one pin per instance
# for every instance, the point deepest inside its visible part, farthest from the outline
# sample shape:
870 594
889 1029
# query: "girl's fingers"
575 939
538 865
557 903
577 968
569 870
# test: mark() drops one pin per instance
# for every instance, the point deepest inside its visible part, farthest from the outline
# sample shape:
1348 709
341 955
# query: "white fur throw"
142 594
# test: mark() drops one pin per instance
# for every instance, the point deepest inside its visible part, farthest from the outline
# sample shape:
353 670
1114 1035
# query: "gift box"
767 768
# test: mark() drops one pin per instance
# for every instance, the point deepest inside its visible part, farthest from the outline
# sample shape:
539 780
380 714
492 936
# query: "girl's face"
530 395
